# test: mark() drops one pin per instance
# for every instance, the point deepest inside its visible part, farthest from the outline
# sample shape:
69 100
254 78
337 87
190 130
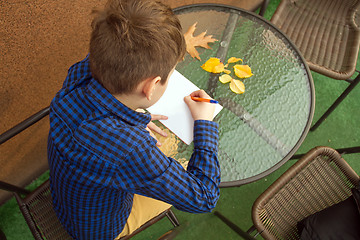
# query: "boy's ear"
150 86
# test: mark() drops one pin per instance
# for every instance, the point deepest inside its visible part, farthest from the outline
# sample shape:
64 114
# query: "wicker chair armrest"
355 16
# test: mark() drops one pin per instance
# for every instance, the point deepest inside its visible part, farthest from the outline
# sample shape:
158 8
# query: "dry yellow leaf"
225 78
199 41
227 71
237 86
213 65
242 71
218 68
234 60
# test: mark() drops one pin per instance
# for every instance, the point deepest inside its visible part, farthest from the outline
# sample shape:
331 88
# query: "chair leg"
251 229
348 150
2 235
337 102
342 151
238 230
12 188
172 218
264 7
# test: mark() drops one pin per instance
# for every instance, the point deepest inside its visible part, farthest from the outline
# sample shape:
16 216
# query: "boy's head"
133 40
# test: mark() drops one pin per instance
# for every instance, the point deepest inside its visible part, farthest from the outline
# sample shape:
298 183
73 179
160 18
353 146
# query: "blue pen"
198 99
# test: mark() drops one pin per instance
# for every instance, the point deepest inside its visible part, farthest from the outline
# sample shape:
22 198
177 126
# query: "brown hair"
133 40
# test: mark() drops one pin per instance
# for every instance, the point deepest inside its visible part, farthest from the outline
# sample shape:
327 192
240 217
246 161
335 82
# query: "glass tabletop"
262 128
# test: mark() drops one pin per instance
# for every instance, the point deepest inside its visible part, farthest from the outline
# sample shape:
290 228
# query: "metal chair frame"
346 92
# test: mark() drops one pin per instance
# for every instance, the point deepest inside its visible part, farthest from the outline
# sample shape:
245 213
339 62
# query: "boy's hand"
151 127
200 110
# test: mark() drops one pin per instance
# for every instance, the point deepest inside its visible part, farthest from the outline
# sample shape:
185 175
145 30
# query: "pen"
198 99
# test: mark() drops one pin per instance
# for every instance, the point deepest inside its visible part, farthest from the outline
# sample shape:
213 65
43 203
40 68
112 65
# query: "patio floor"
340 130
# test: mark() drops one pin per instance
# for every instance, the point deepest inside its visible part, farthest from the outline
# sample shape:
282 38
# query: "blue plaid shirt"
100 155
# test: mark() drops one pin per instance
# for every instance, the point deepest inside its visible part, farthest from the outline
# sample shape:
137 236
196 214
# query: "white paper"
172 105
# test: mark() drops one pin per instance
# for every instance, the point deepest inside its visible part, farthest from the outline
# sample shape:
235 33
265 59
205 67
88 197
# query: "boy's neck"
130 100
144 95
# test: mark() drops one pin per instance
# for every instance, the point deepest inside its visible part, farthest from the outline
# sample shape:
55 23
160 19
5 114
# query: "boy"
102 159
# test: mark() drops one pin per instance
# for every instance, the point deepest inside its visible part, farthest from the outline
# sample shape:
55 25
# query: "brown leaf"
199 41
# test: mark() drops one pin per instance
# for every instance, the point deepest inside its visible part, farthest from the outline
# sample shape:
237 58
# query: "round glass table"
262 128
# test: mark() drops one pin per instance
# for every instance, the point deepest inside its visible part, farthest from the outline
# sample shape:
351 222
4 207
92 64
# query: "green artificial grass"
338 131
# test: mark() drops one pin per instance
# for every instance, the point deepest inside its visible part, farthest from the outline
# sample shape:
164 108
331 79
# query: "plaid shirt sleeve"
145 170
192 190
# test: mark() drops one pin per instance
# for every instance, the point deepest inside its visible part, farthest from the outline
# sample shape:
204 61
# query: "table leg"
255 125
222 50
2 235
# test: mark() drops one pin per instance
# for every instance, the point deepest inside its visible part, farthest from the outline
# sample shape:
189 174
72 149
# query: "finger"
200 93
158 143
152 126
158 117
195 93
187 99
203 94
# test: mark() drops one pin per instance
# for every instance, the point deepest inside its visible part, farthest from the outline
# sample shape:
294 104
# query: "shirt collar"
102 98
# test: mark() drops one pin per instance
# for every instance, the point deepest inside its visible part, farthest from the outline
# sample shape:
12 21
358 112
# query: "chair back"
320 179
325 31
40 216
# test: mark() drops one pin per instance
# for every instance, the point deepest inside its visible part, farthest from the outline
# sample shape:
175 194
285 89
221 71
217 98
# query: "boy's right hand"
200 110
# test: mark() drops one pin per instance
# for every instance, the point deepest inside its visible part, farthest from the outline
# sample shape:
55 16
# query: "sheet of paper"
172 104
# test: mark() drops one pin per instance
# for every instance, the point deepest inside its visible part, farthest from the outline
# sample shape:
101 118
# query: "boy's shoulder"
78 72
112 137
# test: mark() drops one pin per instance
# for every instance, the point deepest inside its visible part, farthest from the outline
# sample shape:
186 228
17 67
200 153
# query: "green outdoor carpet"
338 131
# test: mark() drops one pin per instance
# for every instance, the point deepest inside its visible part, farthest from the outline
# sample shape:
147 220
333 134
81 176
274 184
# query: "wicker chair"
320 179
327 34
41 218
36 206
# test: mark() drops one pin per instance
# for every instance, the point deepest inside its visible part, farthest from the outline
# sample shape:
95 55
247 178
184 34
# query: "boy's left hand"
151 127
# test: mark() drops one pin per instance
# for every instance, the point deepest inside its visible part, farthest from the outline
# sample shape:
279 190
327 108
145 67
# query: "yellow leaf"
225 78
227 71
237 86
198 41
219 68
213 65
242 71
234 60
